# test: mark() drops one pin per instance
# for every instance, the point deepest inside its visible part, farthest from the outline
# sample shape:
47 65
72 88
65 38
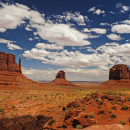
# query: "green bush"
51 121
124 108
110 111
1 109
113 116
79 126
114 108
122 122
91 115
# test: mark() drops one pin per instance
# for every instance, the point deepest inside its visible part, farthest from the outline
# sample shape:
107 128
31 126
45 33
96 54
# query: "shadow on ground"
24 123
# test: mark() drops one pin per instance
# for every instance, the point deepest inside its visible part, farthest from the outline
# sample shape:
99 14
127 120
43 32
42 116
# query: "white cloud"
92 9
96 11
105 24
12 16
62 34
96 30
49 46
10 45
114 37
76 17
126 21
13 47
125 8
30 39
121 28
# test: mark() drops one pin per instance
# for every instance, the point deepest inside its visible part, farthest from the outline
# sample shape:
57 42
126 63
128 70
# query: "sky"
82 37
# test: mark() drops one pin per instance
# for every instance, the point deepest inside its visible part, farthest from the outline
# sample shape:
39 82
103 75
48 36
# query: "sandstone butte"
60 80
118 72
119 75
11 72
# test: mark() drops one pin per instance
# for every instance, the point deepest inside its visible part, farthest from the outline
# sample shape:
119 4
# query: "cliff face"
118 72
7 63
61 74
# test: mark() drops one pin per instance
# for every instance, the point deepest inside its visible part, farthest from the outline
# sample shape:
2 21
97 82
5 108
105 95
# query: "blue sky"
84 38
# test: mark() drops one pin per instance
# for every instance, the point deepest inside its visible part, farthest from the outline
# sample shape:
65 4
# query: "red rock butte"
7 63
60 80
119 71
11 73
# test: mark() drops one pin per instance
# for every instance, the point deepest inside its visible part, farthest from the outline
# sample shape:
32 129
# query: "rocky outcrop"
60 80
60 74
7 63
118 72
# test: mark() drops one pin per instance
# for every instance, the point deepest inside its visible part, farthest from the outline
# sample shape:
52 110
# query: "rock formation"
7 63
60 80
60 74
118 72
11 73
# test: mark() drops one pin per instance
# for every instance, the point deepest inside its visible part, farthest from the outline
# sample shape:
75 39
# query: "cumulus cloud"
49 46
10 45
96 11
126 21
62 34
121 28
123 8
114 37
12 16
76 17
70 17
104 56
96 30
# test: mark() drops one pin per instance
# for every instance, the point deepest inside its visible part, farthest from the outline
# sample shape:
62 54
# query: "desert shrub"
110 111
83 108
1 109
51 121
100 102
99 106
79 126
97 99
113 116
101 112
114 108
91 115
122 122
124 108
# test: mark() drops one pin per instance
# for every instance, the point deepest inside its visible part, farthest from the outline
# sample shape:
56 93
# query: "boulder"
118 72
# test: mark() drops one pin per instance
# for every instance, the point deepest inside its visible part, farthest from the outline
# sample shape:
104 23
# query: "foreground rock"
118 72
60 80
108 127
97 111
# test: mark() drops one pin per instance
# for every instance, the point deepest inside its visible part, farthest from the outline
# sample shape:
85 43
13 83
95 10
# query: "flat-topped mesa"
119 71
7 63
61 74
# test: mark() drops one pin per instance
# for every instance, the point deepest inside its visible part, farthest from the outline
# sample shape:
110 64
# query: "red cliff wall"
7 63
119 71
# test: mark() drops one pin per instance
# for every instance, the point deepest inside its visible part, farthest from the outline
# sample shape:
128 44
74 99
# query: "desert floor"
32 107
